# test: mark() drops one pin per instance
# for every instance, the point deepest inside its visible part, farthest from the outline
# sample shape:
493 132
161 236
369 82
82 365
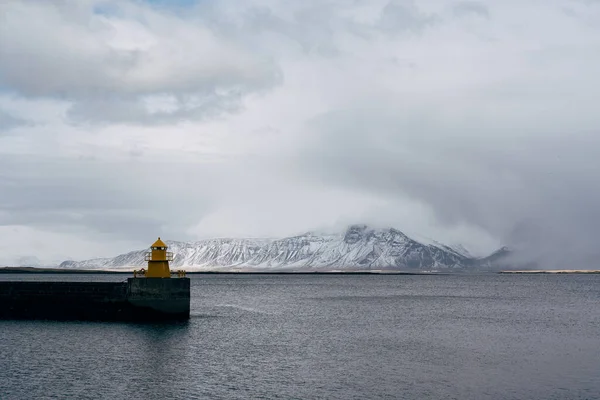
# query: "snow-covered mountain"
359 247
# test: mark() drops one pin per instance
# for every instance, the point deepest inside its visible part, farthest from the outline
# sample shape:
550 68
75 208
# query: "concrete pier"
164 296
136 299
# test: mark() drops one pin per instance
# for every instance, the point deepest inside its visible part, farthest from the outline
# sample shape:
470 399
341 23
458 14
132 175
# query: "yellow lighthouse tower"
158 260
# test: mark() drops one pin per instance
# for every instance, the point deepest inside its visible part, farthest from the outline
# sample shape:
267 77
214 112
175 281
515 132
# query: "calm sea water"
325 337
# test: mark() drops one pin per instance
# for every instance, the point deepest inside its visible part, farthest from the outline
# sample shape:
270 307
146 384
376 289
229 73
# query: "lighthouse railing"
168 256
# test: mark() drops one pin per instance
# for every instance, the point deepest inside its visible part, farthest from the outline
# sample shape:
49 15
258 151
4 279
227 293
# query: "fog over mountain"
471 122
358 247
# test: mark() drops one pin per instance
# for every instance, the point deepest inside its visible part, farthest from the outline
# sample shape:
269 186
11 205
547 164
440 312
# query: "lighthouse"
158 260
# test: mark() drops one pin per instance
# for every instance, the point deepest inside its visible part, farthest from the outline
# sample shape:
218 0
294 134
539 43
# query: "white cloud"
107 64
20 242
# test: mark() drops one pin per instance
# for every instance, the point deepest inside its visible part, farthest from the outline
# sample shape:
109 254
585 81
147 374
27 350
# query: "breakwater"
134 299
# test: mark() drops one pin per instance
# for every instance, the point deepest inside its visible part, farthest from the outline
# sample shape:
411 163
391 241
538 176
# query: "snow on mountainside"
359 247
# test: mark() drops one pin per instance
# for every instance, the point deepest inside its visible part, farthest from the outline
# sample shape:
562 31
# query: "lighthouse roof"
159 243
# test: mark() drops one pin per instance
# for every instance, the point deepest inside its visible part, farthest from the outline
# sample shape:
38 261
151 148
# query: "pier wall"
136 299
170 296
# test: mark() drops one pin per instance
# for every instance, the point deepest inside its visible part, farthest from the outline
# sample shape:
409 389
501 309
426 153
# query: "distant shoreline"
33 270
41 270
558 271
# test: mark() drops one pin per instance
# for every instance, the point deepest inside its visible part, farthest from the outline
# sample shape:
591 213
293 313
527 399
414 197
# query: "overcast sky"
472 122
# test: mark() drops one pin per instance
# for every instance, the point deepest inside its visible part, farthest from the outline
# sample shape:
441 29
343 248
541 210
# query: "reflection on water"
335 337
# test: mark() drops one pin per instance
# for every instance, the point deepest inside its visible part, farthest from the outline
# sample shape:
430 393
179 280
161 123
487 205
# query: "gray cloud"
130 110
312 27
271 118
124 198
464 8
73 53
534 191
9 121
316 26
399 16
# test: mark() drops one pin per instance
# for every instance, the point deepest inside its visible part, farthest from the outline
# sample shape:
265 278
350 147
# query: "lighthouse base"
138 299
169 297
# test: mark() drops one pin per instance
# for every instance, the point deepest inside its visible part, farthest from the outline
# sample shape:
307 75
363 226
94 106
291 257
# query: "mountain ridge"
358 247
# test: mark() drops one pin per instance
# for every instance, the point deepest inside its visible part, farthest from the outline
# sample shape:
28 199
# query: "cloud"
532 192
469 122
9 121
465 8
125 199
403 16
102 62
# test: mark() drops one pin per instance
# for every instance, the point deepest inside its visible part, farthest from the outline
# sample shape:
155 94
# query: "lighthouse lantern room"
158 260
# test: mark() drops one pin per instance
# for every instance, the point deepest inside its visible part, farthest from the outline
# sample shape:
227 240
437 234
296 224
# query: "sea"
488 336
